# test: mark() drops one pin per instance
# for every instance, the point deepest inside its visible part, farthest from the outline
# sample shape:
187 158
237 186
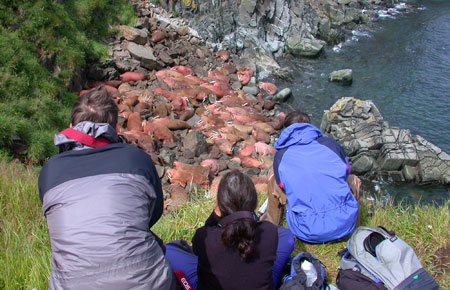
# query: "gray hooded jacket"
99 204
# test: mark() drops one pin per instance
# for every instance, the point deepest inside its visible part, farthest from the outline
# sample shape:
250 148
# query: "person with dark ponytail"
233 250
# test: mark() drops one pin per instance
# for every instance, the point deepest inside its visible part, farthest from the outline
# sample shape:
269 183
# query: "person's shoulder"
201 234
131 152
129 148
327 140
332 144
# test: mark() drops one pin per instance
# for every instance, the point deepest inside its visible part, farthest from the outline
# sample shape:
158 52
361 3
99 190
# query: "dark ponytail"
241 235
237 200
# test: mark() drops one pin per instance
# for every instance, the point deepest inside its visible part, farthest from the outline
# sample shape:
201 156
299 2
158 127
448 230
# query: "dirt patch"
442 258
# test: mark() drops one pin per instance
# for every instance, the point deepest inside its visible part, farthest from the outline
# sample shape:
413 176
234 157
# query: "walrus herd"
196 128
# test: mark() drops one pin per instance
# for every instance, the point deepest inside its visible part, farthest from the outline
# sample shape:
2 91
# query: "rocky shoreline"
200 113
262 31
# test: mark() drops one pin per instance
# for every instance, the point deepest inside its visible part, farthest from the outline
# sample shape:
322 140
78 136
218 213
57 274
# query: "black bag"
350 280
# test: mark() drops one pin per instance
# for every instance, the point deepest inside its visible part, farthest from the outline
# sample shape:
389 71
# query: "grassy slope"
25 250
63 35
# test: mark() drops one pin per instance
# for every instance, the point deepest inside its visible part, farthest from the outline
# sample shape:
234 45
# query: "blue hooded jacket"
312 169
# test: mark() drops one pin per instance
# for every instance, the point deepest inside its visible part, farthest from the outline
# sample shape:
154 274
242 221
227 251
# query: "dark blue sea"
402 63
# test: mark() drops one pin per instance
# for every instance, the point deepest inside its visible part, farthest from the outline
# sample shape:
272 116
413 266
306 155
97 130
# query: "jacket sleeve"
276 165
159 202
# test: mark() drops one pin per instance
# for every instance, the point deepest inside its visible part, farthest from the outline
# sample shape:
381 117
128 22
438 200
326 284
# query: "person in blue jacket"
309 181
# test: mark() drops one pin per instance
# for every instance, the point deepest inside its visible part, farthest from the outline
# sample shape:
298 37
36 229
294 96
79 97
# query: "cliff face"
263 29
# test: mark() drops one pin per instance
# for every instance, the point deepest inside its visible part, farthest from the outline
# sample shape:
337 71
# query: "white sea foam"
401 6
384 14
337 47
393 11
360 33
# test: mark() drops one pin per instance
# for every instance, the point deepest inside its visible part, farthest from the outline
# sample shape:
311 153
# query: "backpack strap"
182 280
84 138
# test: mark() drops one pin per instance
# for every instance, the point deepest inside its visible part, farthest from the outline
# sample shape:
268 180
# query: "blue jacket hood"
297 134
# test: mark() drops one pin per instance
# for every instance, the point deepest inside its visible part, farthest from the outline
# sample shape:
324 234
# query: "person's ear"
70 125
117 127
217 211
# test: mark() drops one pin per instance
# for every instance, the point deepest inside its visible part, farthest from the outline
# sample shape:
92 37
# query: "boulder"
410 172
195 142
252 90
138 36
183 30
101 71
281 96
144 54
362 164
299 46
344 76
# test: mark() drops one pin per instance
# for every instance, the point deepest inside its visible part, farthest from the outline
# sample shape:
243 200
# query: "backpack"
296 279
384 258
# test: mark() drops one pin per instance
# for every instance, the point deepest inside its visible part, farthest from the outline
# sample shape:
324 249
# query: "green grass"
25 251
41 44
24 244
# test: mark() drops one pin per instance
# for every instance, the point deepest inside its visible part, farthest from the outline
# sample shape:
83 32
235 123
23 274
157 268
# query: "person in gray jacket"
100 198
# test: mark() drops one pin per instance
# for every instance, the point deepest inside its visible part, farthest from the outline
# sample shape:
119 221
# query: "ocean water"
402 63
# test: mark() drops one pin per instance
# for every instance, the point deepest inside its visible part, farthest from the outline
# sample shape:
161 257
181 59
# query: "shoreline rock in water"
377 150
343 77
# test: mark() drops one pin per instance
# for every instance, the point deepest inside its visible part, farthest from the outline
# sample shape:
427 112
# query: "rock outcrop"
376 149
266 29
343 77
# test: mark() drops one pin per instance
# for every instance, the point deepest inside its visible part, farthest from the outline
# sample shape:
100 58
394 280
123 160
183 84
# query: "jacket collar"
234 216
297 134
95 130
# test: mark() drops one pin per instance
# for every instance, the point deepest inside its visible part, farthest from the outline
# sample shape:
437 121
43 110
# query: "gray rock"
236 86
189 154
252 90
102 71
410 172
195 141
299 46
391 157
167 155
234 163
344 76
138 36
183 30
252 171
362 165
281 96
144 54
165 57
193 120
170 145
